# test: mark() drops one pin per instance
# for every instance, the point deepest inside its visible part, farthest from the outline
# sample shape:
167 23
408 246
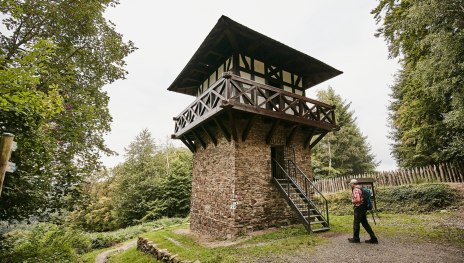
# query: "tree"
55 57
344 152
152 182
427 105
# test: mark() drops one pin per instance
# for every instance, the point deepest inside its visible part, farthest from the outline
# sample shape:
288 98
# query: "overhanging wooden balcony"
233 93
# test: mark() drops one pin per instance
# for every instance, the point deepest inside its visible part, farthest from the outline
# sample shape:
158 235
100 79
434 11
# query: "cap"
353 181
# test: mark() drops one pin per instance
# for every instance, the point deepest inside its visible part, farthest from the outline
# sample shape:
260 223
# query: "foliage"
44 243
153 182
418 199
427 105
412 199
55 57
344 152
107 239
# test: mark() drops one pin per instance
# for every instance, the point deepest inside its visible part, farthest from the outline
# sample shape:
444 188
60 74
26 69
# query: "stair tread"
320 229
302 200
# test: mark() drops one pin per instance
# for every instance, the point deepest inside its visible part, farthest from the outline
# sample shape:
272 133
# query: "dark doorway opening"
277 159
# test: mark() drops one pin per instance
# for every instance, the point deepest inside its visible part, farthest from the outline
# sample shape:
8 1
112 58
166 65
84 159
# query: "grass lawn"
279 241
132 255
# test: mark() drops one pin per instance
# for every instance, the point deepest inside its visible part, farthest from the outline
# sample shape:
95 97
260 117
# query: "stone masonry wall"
213 180
260 205
232 191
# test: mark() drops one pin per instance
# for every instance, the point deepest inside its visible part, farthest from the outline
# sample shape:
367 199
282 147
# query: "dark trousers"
360 217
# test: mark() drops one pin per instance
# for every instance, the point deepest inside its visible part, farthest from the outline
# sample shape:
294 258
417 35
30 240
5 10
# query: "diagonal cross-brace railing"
247 95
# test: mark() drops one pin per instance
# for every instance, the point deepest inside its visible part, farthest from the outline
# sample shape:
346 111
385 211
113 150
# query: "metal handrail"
305 190
326 203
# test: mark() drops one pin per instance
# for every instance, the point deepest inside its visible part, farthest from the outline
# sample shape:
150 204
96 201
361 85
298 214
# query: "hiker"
360 217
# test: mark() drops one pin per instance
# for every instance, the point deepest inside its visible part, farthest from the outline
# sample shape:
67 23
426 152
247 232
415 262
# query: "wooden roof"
228 37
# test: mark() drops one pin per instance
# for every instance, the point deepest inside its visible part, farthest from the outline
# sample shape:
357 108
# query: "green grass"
132 255
275 243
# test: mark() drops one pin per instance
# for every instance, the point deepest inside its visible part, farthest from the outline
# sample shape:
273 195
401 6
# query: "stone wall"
232 191
150 248
213 181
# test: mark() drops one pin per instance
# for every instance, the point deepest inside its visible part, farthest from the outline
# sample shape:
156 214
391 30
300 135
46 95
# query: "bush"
107 239
43 243
416 198
400 199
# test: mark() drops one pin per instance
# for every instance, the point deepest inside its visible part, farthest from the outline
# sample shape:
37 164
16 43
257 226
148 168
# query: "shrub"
43 243
107 239
416 198
400 199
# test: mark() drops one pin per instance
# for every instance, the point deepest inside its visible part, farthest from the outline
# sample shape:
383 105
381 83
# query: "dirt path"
103 257
388 250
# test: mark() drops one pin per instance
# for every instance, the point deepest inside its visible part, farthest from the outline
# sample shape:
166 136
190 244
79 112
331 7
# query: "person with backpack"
361 201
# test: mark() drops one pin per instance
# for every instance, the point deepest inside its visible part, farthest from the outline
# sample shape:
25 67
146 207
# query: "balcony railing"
247 95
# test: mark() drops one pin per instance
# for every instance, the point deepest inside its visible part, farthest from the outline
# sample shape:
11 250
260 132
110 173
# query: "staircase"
301 194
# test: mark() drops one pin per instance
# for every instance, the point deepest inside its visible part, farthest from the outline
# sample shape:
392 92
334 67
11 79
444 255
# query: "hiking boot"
353 240
372 241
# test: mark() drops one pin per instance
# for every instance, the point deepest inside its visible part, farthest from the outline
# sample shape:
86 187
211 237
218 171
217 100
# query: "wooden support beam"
199 139
317 140
210 134
6 142
188 144
250 123
222 128
233 127
291 134
233 41
310 136
271 131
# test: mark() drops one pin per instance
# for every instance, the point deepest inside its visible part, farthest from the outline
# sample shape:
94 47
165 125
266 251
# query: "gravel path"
388 250
103 257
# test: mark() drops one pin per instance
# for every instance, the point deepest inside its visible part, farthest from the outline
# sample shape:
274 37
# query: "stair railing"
309 189
281 174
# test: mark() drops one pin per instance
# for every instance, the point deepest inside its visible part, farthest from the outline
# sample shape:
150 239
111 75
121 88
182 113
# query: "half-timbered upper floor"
240 69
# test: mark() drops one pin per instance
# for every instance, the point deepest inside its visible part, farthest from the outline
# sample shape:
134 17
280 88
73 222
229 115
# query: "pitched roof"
227 37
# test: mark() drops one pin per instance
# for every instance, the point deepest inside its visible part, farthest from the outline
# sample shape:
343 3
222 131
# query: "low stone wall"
148 247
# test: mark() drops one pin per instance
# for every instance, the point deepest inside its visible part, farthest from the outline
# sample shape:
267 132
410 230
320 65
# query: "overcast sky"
167 33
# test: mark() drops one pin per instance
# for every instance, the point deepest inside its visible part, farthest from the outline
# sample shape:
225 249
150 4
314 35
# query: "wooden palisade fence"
444 172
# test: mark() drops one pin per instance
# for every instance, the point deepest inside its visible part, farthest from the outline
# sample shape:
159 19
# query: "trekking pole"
373 218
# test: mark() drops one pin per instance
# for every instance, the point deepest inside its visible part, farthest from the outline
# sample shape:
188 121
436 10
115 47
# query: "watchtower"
251 129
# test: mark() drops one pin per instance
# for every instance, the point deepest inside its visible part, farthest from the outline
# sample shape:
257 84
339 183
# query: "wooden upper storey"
232 47
237 75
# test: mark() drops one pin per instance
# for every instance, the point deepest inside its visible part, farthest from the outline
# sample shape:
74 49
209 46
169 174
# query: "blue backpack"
366 194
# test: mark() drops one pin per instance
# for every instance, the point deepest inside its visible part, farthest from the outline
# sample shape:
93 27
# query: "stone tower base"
232 191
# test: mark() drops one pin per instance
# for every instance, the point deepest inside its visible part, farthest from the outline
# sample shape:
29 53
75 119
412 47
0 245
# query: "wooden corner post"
6 143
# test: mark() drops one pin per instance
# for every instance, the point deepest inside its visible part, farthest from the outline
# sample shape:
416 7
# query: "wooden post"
453 174
460 170
6 142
